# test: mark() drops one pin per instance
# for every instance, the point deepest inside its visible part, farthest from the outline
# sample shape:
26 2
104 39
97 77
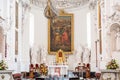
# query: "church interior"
59 39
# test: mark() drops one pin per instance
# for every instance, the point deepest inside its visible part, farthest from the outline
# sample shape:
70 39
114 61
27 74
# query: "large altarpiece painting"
60 34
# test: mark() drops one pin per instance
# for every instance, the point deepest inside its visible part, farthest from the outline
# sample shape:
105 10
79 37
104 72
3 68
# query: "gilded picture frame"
61 34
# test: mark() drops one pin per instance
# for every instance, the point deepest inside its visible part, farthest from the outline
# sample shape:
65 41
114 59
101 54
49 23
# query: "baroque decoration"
63 4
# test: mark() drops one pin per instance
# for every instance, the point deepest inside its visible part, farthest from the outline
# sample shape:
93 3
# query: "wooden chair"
17 76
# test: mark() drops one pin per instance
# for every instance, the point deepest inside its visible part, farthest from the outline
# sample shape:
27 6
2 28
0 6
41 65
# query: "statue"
79 54
117 36
43 54
86 56
33 55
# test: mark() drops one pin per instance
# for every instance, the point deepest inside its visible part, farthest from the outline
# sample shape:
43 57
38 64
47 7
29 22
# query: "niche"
115 37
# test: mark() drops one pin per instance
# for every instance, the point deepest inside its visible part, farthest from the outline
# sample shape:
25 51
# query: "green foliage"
112 64
3 65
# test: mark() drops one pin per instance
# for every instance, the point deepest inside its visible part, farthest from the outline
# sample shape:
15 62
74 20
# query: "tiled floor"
62 79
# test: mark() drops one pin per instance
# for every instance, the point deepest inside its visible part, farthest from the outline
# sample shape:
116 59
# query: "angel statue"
86 55
79 54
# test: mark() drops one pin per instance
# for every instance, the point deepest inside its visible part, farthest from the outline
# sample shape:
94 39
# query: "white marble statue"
33 55
79 54
44 53
118 39
86 55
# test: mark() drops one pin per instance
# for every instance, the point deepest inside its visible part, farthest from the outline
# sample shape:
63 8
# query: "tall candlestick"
96 53
100 41
5 45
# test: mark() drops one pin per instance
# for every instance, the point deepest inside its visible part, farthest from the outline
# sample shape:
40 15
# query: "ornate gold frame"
71 47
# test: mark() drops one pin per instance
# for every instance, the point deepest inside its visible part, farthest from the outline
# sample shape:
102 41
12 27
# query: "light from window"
89 30
31 30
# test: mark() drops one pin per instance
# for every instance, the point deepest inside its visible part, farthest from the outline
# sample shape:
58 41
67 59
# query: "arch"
114 26
114 36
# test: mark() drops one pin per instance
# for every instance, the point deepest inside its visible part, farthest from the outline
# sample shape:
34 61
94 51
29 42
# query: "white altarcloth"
6 75
110 76
52 70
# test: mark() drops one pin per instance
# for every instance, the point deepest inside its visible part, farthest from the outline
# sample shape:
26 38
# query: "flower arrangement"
3 65
112 64
43 69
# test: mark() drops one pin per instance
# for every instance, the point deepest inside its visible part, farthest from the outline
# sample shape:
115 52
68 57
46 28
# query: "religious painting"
60 34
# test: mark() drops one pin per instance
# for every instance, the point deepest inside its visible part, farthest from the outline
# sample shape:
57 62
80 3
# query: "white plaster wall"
41 37
25 46
80 33
107 11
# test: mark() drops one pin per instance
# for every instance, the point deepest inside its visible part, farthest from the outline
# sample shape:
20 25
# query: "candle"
96 53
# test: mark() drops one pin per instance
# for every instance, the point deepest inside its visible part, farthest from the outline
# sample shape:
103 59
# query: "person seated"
32 70
88 70
17 76
37 68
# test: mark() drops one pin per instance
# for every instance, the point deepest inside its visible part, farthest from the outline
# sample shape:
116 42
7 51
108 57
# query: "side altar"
6 75
110 74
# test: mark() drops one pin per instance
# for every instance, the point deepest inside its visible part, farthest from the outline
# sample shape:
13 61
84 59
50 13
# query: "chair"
97 75
17 76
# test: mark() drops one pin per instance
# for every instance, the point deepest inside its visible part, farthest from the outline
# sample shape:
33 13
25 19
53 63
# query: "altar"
6 75
110 74
57 70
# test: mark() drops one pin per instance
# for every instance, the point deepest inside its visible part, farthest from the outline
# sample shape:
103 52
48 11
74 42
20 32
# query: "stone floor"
63 79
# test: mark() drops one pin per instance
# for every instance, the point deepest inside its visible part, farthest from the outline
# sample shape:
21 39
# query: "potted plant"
112 64
3 65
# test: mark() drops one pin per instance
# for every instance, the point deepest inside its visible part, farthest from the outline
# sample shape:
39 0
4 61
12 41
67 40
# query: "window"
89 30
31 30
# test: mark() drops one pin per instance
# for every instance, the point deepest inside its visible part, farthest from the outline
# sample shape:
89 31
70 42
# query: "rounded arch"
114 26
114 39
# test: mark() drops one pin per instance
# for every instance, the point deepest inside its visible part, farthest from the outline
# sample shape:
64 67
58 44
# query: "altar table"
109 74
60 69
6 75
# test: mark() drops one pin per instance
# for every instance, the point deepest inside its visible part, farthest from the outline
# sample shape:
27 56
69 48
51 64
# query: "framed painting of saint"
60 34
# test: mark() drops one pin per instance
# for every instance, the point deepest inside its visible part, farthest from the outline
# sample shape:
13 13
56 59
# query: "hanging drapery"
49 11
